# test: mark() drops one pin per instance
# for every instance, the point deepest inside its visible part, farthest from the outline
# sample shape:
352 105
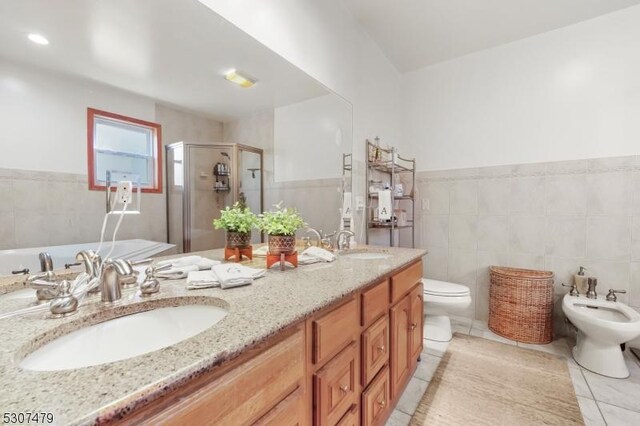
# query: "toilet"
442 299
602 326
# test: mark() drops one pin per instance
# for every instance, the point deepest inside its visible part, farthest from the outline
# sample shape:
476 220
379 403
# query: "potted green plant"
281 224
238 221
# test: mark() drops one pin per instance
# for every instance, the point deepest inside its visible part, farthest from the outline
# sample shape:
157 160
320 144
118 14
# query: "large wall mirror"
164 62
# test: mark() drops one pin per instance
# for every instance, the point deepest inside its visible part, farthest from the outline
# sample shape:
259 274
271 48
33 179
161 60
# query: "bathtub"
13 260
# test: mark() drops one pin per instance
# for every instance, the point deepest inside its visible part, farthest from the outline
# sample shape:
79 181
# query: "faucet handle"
611 296
65 303
574 289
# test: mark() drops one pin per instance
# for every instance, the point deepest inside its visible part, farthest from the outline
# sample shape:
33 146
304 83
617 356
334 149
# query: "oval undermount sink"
367 256
123 337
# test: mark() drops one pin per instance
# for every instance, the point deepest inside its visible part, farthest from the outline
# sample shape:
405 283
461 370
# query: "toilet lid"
443 288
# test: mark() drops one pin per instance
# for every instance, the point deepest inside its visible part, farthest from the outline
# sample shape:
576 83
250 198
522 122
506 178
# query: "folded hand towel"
234 275
384 205
201 279
176 273
201 262
305 259
320 253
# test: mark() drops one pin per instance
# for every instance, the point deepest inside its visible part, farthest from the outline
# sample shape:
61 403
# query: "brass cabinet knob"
382 403
413 326
344 388
381 348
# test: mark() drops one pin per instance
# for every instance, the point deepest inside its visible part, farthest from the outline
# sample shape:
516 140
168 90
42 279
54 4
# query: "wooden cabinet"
417 321
400 320
403 281
334 331
289 412
375 302
376 400
375 349
352 418
335 387
241 396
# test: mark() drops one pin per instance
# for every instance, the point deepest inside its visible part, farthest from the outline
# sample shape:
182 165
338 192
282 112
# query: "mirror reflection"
115 90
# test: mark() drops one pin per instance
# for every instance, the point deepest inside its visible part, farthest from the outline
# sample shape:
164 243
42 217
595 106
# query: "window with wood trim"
123 144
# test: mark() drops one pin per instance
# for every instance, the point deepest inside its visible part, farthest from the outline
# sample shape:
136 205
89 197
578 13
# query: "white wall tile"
566 195
7 230
435 230
566 236
526 234
435 263
527 195
437 194
609 193
463 232
609 237
464 197
493 233
493 196
634 285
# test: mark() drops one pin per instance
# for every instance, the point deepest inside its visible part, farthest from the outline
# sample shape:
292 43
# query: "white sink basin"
367 256
123 337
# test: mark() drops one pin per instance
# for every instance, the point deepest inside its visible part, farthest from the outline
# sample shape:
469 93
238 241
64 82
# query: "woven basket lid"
530 274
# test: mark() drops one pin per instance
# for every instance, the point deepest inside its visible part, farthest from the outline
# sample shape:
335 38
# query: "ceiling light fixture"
38 39
240 79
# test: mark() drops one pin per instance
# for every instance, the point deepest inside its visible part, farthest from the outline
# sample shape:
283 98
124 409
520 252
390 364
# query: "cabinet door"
335 387
400 342
376 400
417 322
351 418
375 349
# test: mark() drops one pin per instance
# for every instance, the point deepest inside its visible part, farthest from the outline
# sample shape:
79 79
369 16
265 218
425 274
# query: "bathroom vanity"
323 344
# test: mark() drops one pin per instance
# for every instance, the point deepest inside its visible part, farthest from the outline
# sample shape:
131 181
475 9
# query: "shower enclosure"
203 179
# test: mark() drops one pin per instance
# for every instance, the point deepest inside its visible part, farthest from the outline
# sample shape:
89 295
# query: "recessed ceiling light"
240 79
38 39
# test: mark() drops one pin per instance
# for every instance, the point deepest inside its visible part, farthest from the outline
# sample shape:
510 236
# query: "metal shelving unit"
387 162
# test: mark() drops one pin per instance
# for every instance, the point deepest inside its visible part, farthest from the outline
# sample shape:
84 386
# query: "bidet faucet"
611 296
591 292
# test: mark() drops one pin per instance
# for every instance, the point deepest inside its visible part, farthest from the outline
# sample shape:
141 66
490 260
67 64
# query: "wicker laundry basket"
521 304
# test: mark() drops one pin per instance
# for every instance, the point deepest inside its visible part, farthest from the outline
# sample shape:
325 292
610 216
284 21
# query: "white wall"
567 94
310 138
44 117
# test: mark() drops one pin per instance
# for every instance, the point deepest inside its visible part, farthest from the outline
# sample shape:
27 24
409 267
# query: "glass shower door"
250 184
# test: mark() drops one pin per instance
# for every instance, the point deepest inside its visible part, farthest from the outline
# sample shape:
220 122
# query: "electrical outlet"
425 204
124 194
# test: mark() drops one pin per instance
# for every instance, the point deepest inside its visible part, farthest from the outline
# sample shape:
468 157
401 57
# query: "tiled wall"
553 216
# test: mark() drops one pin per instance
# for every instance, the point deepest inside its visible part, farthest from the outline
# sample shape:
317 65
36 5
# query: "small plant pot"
282 244
238 239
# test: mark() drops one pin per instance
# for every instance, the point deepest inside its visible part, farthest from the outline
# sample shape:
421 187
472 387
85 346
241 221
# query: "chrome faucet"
343 239
307 241
611 296
46 264
110 282
92 262
591 292
327 241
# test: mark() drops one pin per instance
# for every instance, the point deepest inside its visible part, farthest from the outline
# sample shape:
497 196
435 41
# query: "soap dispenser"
580 280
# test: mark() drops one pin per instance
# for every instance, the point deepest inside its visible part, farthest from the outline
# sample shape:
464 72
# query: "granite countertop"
91 394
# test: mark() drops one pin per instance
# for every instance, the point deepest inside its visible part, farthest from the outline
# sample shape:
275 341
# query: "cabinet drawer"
375 302
376 399
375 349
351 418
289 412
404 280
334 331
334 387
245 393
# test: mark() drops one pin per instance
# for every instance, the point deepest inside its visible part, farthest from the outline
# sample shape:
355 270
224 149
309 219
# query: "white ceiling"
417 33
175 51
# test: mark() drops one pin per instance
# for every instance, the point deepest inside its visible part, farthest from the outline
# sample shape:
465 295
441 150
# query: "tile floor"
603 401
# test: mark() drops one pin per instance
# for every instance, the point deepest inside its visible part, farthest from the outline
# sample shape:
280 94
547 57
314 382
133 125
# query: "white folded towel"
201 279
384 205
180 267
233 275
319 253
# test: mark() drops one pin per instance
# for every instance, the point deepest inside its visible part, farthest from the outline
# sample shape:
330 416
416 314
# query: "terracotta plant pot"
279 244
238 239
